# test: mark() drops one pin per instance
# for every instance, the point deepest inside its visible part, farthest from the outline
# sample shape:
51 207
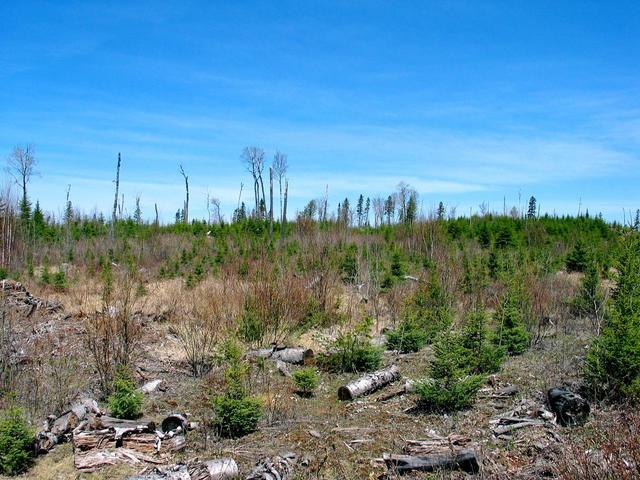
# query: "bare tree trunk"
270 204
283 225
114 216
186 201
155 205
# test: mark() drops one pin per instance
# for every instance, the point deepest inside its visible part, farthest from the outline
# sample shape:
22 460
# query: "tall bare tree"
186 200
114 215
270 203
280 166
253 158
21 166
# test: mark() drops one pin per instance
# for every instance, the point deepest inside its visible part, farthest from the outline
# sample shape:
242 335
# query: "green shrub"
511 334
349 264
306 380
448 394
613 363
235 417
451 386
16 442
235 412
407 337
590 301
484 357
579 258
352 352
429 308
126 399
59 281
251 328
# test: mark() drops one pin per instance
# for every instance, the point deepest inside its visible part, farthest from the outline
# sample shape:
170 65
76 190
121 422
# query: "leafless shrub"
608 449
113 334
548 304
279 301
208 314
8 351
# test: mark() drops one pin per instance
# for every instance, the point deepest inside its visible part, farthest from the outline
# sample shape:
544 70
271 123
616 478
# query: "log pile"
59 429
100 440
17 296
369 383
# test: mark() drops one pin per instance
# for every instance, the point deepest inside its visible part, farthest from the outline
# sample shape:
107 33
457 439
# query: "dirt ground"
337 440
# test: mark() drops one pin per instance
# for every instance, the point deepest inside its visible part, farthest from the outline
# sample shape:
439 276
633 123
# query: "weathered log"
147 443
172 472
173 422
106 421
501 429
282 368
280 467
152 386
570 408
173 444
95 459
219 469
438 445
94 439
466 460
297 356
369 383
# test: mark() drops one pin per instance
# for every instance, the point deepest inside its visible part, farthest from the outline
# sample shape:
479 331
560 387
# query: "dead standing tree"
114 216
185 212
21 166
270 204
280 167
253 157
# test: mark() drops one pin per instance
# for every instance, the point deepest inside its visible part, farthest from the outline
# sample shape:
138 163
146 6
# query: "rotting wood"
570 408
218 469
296 356
369 383
466 460
279 467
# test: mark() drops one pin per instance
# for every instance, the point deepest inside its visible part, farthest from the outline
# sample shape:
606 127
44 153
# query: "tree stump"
570 408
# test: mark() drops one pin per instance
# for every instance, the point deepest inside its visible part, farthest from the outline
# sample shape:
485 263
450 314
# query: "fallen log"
93 439
152 386
297 356
437 445
570 408
369 383
173 422
466 460
96 459
502 429
282 368
219 469
106 421
172 472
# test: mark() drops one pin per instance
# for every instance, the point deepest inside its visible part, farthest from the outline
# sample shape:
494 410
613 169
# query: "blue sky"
467 101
